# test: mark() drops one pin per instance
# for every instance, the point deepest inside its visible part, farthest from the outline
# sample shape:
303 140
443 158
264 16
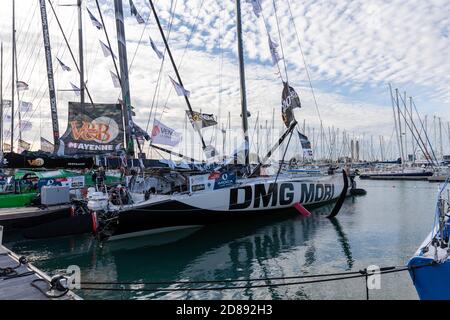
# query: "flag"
7 118
201 120
23 145
289 101
273 51
21 86
6 104
94 21
306 145
47 146
162 134
140 133
25 106
135 13
256 4
115 79
25 125
106 50
63 66
158 53
75 89
6 147
181 91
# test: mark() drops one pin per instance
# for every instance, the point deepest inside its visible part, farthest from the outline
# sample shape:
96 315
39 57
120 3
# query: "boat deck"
18 286
28 212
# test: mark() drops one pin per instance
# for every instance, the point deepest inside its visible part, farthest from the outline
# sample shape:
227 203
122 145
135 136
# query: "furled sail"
93 129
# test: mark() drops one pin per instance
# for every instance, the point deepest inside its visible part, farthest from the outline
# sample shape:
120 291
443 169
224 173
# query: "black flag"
289 101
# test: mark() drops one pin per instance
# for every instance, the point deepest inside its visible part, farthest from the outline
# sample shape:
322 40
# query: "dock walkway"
17 278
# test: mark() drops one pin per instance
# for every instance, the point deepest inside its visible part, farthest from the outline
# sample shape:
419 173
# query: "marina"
203 150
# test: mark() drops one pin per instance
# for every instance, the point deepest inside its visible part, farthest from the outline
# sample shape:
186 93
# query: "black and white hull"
166 213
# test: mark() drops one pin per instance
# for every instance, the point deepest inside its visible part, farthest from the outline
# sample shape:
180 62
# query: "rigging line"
304 60
193 30
172 16
70 49
109 44
161 67
281 41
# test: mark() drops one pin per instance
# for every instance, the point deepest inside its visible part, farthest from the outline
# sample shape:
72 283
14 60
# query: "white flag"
25 125
181 91
46 145
162 134
256 7
75 89
155 48
21 86
63 66
106 50
25 106
135 13
273 51
115 79
94 21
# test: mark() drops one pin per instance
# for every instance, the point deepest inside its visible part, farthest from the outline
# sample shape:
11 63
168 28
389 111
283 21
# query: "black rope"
269 285
33 284
336 277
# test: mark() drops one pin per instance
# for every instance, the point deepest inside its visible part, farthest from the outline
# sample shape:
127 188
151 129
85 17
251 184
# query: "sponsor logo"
101 130
38 162
274 194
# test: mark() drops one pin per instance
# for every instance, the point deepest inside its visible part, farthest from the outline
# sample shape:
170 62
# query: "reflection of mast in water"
342 237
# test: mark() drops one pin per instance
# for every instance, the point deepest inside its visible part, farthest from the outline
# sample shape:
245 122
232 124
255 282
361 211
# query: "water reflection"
269 247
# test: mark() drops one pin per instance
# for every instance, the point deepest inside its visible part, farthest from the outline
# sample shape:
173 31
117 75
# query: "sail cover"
289 101
93 129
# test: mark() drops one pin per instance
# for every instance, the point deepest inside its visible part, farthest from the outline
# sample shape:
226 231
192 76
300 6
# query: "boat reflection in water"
270 247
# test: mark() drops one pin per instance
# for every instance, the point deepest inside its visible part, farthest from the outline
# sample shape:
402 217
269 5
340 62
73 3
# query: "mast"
242 81
123 61
1 97
13 81
80 48
50 77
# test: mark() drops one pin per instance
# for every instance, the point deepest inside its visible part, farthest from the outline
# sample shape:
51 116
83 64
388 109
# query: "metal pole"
242 81
1 97
50 77
123 61
80 48
13 81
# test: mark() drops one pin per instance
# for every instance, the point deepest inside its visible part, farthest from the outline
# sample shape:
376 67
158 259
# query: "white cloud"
358 46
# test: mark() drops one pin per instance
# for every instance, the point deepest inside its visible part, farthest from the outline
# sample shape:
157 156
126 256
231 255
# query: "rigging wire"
304 60
281 40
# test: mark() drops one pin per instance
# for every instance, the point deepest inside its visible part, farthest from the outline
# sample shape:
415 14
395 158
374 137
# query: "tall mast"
242 80
50 77
1 97
13 81
125 84
80 48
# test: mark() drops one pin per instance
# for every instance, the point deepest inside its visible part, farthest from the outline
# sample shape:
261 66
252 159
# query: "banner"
93 129
6 147
44 160
201 120
162 134
47 146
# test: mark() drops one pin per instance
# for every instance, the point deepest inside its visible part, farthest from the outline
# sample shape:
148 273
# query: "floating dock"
29 216
20 280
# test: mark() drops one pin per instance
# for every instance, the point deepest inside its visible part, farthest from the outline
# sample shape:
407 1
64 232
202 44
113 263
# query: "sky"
352 49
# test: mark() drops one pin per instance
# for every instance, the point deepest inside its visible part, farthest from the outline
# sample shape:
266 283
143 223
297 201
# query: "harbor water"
382 228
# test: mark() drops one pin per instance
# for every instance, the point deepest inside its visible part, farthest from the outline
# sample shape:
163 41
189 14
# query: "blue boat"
429 268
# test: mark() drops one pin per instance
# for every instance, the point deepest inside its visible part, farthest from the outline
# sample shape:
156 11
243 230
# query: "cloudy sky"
353 50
